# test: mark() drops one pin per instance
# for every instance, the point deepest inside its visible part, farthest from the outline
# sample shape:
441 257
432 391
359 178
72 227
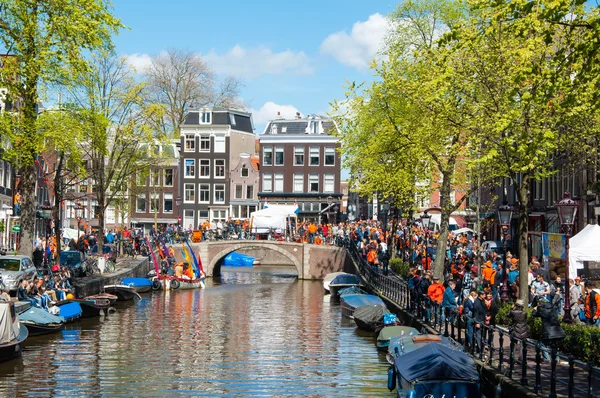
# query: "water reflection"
249 333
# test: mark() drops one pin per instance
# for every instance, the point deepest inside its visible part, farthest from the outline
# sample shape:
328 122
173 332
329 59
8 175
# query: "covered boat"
172 282
394 332
328 278
141 285
428 365
370 317
350 302
69 310
234 259
123 292
12 333
112 299
39 321
342 281
351 290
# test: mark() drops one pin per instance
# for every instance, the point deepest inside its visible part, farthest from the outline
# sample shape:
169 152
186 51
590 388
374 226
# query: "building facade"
244 183
211 142
300 163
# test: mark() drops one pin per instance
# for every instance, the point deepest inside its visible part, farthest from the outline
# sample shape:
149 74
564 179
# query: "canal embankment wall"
94 284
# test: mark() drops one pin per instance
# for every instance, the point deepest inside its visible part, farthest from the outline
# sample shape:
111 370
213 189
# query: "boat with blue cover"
343 281
393 334
39 321
328 278
424 365
234 259
69 310
141 285
12 333
351 290
370 317
350 302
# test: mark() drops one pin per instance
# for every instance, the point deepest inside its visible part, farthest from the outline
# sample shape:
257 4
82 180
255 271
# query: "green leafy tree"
46 42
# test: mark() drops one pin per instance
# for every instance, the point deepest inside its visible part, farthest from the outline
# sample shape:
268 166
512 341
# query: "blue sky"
290 56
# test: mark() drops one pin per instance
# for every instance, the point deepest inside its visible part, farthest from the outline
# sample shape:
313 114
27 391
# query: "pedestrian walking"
519 329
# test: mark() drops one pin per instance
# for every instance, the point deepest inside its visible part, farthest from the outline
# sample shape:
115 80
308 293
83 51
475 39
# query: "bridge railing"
494 346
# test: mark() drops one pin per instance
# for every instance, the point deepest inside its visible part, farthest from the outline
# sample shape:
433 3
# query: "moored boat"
328 278
171 282
39 321
89 308
351 290
141 285
123 292
12 333
107 296
389 333
350 302
69 310
342 281
370 317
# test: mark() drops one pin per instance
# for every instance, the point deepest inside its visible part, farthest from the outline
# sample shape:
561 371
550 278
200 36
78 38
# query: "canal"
259 333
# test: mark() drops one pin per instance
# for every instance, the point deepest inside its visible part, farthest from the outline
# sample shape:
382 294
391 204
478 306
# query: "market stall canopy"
70 233
584 247
463 231
272 217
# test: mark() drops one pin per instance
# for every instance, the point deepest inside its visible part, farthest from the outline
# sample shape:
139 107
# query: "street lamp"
505 213
78 216
329 203
567 212
178 202
425 221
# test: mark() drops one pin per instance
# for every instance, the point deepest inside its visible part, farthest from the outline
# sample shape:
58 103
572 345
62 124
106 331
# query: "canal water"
251 333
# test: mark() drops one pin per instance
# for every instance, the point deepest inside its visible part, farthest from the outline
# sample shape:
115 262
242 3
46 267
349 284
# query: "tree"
178 80
46 41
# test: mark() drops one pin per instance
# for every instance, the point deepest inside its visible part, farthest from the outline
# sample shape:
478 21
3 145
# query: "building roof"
255 161
240 121
312 124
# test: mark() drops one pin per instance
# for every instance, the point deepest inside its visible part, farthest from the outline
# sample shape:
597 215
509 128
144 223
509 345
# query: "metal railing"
492 345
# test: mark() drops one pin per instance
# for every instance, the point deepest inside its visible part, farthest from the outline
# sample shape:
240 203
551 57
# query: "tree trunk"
102 208
442 243
58 198
523 195
28 209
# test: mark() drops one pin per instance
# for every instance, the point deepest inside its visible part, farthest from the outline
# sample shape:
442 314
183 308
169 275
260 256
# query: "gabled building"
211 142
300 163
244 183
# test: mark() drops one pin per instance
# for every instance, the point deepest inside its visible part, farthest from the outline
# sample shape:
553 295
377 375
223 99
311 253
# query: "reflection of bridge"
311 261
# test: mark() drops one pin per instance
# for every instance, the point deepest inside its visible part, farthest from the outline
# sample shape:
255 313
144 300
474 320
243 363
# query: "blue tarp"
136 282
345 279
70 311
351 290
234 259
358 300
40 316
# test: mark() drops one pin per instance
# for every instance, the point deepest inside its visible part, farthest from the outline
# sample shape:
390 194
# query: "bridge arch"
232 248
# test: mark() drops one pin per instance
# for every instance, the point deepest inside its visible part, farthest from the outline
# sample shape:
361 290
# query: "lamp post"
329 203
178 202
46 210
567 212
425 219
505 213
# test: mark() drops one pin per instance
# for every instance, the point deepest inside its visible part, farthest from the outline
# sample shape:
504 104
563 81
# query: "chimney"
297 115
278 113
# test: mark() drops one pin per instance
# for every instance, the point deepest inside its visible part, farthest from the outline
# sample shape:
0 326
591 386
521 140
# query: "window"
329 156
329 183
205 143
278 182
239 190
313 182
140 179
219 215
190 168
279 156
299 156
232 119
298 182
154 203
314 156
155 178
189 193
168 203
188 218
140 203
267 182
220 144
251 209
268 156
219 193
235 211
244 212
168 176
204 193
83 187
205 118
204 168
244 171
249 191
190 143
203 215
274 129
8 175
219 168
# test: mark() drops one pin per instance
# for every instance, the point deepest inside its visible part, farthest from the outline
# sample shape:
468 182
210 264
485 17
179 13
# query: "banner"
555 254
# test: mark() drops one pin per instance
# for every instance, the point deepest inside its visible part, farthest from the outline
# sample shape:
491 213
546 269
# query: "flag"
153 257
186 255
200 265
196 268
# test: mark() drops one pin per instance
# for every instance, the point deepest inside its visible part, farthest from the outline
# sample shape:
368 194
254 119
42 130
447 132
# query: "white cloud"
359 47
269 112
254 62
139 61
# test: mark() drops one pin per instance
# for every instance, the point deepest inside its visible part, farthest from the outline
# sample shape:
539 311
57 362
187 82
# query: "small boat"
92 308
234 259
370 317
69 310
123 292
87 308
107 296
12 333
328 278
39 321
390 332
350 302
141 285
342 281
351 290
430 365
172 282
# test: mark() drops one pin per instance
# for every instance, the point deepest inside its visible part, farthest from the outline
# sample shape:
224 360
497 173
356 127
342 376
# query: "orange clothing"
371 255
312 228
435 292
589 303
489 274
189 273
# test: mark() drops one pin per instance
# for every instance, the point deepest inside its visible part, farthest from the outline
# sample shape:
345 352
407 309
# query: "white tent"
272 217
585 246
70 233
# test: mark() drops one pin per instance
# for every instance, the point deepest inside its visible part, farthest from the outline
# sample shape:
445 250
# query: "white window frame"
218 190
281 150
201 191
311 179
154 200
186 218
242 172
165 176
311 150
331 178
278 182
232 119
137 209
205 117
216 168
204 139
297 150
267 177
167 196
241 195
189 138
298 179
326 150
186 188
185 169
250 187
220 144
268 149
201 166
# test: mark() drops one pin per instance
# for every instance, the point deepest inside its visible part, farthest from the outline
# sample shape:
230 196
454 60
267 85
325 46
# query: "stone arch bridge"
310 261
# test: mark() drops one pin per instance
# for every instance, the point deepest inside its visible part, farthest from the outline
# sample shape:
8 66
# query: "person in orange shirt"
435 292
592 305
489 272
